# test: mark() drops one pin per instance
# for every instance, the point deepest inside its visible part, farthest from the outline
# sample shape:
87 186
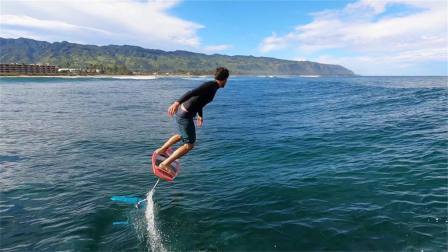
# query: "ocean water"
281 164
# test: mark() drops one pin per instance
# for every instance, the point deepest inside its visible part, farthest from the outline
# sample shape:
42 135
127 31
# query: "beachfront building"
27 69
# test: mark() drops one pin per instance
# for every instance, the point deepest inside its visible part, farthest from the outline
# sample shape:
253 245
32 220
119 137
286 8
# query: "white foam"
309 76
196 78
132 77
154 237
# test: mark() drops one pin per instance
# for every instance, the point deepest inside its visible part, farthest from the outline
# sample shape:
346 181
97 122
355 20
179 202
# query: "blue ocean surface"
281 164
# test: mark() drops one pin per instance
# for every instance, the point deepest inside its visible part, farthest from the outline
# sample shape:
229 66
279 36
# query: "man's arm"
194 92
200 121
200 113
200 118
173 108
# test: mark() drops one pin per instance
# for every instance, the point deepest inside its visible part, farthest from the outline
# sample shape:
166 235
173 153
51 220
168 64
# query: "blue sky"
370 37
245 24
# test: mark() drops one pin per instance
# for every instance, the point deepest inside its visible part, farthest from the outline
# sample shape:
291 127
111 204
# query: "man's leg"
174 139
188 135
184 149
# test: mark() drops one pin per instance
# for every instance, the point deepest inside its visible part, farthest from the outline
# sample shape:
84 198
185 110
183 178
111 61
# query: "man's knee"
189 146
177 137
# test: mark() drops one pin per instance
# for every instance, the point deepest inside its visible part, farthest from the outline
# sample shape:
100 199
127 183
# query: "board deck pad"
159 158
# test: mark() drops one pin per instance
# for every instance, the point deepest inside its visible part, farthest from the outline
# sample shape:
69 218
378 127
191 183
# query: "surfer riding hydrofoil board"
185 109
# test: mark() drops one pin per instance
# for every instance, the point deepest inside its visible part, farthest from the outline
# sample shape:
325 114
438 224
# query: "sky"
369 37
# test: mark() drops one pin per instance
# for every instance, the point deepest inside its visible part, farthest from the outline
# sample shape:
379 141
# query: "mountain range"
127 59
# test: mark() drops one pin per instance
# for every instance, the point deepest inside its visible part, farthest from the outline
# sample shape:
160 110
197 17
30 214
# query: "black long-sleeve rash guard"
195 99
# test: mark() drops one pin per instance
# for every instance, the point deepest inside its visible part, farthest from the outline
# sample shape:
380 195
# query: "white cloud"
145 23
366 28
33 23
275 43
216 48
300 59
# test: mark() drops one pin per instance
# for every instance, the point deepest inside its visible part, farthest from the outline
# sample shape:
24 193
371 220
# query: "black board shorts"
185 127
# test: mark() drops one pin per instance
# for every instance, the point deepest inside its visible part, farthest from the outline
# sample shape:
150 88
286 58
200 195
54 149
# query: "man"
191 103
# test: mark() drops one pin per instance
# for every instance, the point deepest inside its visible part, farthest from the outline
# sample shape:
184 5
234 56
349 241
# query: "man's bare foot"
167 169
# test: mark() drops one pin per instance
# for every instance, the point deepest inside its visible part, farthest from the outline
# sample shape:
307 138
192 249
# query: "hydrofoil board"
159 172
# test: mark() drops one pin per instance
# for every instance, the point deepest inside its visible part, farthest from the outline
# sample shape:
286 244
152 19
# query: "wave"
201 77
287 76
309 76
130 77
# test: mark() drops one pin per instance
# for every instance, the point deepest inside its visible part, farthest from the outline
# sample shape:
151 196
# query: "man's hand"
173 108
199 121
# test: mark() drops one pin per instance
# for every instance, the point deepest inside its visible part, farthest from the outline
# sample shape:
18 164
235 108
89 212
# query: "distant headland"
64 58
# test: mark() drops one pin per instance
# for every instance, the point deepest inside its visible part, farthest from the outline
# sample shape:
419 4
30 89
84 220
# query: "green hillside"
127 59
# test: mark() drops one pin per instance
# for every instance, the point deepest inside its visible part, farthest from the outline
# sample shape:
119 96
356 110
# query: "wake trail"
154 237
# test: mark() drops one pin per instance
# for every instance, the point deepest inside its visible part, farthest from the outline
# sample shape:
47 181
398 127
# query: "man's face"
222 84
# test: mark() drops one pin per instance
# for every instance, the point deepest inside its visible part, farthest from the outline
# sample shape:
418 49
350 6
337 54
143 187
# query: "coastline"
150 76
137 77
153 77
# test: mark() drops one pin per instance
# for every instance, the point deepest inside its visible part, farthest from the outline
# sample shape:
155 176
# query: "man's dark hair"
221 73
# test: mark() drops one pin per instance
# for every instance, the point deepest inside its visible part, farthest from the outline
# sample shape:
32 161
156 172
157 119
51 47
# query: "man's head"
221 75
